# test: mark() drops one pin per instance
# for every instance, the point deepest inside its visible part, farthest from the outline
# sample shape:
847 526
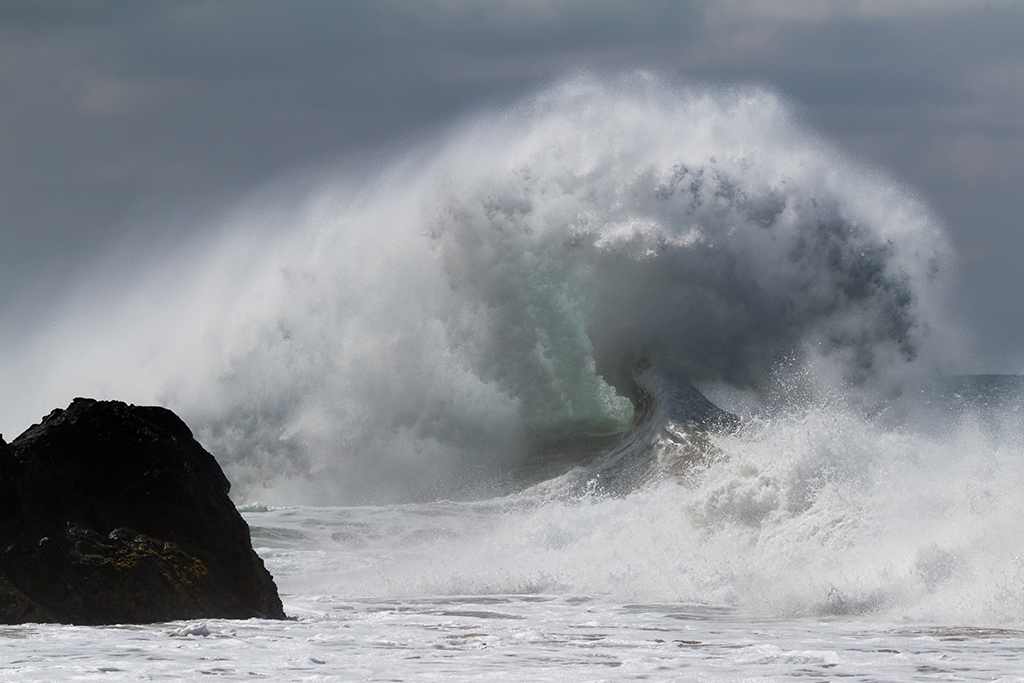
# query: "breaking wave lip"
409 339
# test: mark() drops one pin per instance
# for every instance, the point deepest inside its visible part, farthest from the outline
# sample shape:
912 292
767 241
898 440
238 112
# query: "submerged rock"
111 513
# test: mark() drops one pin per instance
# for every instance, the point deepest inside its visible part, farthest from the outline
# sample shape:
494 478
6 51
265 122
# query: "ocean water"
818 548
633 380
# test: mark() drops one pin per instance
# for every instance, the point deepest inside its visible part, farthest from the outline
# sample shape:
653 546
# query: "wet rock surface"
112 513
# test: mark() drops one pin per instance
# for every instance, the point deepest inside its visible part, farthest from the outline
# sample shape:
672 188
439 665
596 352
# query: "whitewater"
632 380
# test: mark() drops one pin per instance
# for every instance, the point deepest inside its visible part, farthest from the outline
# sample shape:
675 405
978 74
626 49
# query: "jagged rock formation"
111 513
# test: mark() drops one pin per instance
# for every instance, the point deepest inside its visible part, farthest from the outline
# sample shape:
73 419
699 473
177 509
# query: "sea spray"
824 514
421 335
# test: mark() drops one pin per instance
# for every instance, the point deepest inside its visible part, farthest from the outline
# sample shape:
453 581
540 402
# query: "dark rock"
111 513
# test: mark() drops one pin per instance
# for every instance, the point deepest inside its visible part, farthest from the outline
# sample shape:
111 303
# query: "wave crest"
416 337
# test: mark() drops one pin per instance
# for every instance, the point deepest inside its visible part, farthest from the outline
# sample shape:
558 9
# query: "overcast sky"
124 119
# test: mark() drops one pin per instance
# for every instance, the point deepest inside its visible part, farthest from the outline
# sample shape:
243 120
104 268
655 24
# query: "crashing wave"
410 339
